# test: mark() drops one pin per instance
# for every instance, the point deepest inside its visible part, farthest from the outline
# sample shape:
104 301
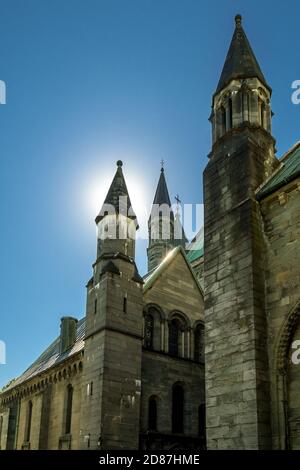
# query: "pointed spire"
240 61
116 197
162 193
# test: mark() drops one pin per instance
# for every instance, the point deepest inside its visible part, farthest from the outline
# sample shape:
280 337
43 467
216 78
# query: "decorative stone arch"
184 339
198 355
159 318
197 323
157 308
285 336
280 366
262 94
182 317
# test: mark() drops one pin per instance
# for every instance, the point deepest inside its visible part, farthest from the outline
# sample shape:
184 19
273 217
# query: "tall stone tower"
242 157
113 338
165 230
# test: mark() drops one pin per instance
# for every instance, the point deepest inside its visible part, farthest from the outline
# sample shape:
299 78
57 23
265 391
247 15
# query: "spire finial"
178 201
238 20
162 162
119 163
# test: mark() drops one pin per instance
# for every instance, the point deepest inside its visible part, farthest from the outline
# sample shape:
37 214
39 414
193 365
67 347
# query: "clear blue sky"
92 81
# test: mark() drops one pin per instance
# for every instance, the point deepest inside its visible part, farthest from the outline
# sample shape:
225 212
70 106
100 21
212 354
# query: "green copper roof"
288 170
196 248
195 254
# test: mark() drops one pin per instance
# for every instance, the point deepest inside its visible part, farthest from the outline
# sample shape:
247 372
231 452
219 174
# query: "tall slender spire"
160 224
162 193
118 196
240 61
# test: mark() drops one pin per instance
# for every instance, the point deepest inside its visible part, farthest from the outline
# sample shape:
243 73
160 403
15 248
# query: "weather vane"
162 162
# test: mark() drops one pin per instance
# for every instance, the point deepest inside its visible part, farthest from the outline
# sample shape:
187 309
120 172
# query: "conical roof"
240 60
118 197
162 193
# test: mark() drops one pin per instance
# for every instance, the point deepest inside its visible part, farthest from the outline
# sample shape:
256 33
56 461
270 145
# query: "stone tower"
242 157
165 230
113 339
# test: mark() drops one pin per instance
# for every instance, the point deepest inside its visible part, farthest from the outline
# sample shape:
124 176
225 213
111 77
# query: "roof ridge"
288 169
44 360
289 151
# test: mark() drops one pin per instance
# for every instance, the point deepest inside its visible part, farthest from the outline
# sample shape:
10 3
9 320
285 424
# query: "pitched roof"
51 356
117 190
195 250
289 169
154 274
240 61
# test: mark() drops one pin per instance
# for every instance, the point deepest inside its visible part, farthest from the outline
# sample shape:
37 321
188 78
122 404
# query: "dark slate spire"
240 61
118 189
162 193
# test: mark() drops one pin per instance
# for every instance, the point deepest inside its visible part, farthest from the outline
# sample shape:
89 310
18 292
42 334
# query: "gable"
175 287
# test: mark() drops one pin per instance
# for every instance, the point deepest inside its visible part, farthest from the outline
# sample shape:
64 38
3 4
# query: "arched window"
152 414
177 409
262 114
69 404
1 426
149 330
199 343
28 421
223 119
201 420
230 115
246 106
174 336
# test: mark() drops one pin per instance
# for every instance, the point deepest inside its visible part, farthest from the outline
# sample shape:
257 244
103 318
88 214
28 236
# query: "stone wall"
237 380
281 219
47 394
174 291
159 373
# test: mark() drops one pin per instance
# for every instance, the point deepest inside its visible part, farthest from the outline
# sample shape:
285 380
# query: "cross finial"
162 163
177 199
178 202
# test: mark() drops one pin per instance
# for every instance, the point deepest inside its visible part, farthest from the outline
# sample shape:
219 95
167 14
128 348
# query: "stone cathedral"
130 374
